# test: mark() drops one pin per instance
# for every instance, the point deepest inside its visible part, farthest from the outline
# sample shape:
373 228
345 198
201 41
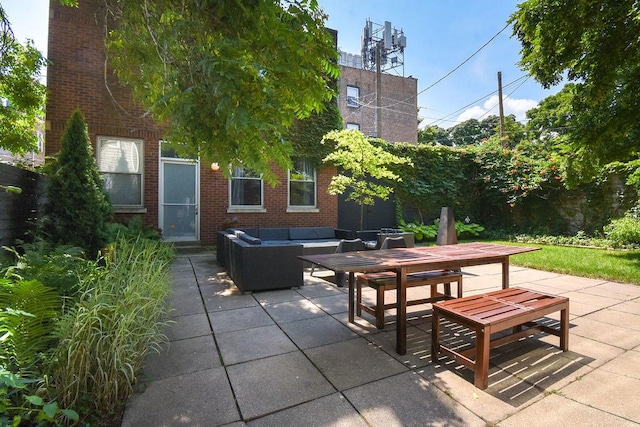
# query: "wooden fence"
18 212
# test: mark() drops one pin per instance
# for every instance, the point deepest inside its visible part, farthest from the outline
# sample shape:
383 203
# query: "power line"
509 132
476 101
456 68
369 104
507 97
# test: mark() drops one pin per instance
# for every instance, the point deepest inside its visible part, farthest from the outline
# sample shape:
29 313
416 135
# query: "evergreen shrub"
77 210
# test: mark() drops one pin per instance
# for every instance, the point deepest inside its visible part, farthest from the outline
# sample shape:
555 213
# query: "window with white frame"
353 96
120 161
302 184
245 188
355 126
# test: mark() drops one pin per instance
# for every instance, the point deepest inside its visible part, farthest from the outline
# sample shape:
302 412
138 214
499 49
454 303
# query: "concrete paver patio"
290 357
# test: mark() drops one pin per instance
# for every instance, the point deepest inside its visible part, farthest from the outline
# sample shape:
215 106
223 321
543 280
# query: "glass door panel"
179 201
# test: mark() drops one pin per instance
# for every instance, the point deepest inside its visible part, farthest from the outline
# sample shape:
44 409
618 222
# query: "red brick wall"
214 203
399 104
78 77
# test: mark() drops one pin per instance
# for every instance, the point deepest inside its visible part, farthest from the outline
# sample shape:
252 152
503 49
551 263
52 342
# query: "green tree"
469 132
77 210
514 131
434 135
594 44
474 131
365 168
434 178
553 115
226 77
21 93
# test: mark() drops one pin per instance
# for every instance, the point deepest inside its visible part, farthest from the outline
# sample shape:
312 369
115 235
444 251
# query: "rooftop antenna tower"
382 50
386 41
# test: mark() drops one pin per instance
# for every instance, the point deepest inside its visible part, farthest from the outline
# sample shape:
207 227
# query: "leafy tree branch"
366 168
227 78
594 44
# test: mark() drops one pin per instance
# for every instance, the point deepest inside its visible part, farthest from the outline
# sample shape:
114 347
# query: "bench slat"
494 312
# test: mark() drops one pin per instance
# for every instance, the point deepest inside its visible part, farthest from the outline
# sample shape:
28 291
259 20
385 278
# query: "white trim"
141 172
245 208
301 209
307 208
353 101
171 160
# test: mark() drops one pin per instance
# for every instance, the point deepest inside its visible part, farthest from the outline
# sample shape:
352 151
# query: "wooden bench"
385 281
494 312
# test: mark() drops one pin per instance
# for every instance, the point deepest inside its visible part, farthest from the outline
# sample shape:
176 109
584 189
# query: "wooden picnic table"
409 260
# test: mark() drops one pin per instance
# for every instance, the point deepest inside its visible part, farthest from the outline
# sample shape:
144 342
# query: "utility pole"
378 91
500 103
382 48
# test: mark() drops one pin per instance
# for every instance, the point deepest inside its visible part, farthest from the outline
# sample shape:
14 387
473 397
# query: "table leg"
401 311
505 273
481 368
435 335
352 284
564 328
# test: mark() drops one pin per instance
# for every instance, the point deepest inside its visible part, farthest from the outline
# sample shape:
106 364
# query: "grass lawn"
617 266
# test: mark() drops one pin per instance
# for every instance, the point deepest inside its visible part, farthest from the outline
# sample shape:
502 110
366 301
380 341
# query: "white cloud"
472 113
517 107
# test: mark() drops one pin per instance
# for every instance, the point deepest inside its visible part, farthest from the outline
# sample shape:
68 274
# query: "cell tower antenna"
390 43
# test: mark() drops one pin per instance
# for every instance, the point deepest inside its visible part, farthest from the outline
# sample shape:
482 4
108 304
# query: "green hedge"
518 190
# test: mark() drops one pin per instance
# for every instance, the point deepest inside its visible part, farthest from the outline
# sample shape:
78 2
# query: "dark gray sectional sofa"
259 259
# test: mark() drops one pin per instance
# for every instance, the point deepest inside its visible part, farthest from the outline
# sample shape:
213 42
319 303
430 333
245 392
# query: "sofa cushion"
280 242
251 231
311 233
250 239
273 233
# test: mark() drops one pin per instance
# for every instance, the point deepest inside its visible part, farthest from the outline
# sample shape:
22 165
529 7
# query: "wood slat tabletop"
464 254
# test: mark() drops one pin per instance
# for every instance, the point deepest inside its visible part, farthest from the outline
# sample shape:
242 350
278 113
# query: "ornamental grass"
117 318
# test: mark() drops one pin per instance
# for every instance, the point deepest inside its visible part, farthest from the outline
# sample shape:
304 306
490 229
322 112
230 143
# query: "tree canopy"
21 93
595 44
472 131
227 78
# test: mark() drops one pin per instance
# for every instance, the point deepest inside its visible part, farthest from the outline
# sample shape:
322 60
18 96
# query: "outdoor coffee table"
494 312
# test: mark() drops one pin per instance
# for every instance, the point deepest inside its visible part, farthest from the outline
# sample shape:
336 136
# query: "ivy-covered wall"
513 190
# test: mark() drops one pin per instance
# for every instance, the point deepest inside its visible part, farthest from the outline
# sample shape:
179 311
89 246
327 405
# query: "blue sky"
441 35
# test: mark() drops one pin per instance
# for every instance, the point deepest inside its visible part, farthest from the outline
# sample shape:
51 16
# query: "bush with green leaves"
77 209
430 231
115 322
58 267
580 239
18 408
133 228
624 232
28 310
420 231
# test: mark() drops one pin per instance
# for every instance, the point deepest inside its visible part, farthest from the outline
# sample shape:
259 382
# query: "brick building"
399 123
358 102
185 198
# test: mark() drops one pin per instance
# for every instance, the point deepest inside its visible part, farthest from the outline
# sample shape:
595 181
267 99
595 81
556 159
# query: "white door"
178 200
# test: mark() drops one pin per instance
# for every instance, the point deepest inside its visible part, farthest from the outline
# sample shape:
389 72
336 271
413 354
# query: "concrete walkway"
290 358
